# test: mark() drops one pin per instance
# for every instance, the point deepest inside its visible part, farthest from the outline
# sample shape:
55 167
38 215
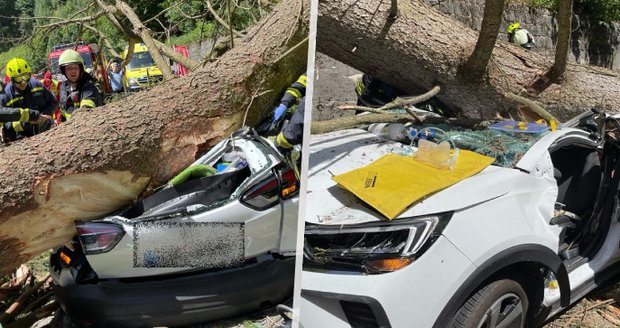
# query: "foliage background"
183 22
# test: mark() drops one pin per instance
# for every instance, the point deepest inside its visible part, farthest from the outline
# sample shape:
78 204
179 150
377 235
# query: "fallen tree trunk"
421 48
105 157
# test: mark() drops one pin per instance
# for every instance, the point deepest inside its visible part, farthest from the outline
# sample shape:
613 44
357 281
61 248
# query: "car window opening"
581 207
231 171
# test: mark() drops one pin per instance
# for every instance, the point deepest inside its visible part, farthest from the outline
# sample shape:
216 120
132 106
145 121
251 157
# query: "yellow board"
393 182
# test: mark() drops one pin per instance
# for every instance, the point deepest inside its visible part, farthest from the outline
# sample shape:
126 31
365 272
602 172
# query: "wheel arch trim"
517 254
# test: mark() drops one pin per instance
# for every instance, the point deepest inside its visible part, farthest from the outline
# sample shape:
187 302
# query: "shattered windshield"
506 148
140 60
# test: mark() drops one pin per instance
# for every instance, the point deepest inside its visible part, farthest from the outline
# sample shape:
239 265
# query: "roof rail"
67 45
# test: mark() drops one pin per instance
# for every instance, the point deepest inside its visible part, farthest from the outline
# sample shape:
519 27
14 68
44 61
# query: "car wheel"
500 304
62 320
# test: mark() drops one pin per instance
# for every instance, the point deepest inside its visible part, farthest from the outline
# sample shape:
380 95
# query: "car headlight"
371 247
133 82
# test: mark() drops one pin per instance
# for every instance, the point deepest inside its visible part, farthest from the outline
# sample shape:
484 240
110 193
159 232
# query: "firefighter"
24 115
52 85
79 90
292 133
520 36
293 94
24 102
372 92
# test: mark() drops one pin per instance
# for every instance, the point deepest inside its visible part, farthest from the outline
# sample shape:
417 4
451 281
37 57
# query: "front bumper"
411 297
179 300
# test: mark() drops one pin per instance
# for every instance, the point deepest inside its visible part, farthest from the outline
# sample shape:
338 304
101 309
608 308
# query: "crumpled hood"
339 152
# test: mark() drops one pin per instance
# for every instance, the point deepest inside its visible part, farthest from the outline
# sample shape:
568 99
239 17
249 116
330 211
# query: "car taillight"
265 194
98 237
64 257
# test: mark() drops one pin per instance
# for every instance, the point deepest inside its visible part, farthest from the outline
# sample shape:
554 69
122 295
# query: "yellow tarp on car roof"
393 182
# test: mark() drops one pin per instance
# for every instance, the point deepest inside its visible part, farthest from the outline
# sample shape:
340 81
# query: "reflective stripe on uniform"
66 115
17 126
87 103
10 102
294 92
360 87
36 89
303 80
24 115
282 142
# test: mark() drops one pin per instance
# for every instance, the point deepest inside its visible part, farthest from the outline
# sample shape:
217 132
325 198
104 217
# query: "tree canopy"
171 21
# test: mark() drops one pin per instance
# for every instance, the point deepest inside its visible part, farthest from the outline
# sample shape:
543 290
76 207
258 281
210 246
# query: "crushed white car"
208 248
507 247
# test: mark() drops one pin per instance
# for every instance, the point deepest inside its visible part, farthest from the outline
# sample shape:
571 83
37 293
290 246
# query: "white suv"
207 248
490 251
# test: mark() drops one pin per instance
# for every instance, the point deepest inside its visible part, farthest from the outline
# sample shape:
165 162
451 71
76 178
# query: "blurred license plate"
188 244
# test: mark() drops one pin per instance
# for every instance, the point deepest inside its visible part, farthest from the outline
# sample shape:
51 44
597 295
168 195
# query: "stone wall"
592 42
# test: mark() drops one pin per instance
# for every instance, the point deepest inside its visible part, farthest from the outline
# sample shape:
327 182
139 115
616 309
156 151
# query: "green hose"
194 171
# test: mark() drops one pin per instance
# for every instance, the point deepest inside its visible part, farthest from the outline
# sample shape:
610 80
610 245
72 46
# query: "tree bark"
565 16
105 157
476 65
422 48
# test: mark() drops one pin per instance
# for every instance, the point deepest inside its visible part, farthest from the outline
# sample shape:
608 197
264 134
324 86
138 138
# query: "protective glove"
278 113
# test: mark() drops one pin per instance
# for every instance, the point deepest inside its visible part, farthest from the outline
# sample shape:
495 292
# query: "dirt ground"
599 309
334 84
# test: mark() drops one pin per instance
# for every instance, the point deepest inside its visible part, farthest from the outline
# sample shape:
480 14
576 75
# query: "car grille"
152 78
359 315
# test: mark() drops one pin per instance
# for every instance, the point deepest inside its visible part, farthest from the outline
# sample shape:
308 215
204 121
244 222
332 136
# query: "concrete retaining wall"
592 43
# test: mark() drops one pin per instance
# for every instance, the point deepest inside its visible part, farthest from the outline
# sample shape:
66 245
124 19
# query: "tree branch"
393 9
163 11
111 11
476 64
219 19
230 28
71 21
349 122
403 102
565 15
288 52
148 40
19 302
189 63
533 106
398 103
105 40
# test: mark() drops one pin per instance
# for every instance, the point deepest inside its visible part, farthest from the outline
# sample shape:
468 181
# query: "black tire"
62 320
500 304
